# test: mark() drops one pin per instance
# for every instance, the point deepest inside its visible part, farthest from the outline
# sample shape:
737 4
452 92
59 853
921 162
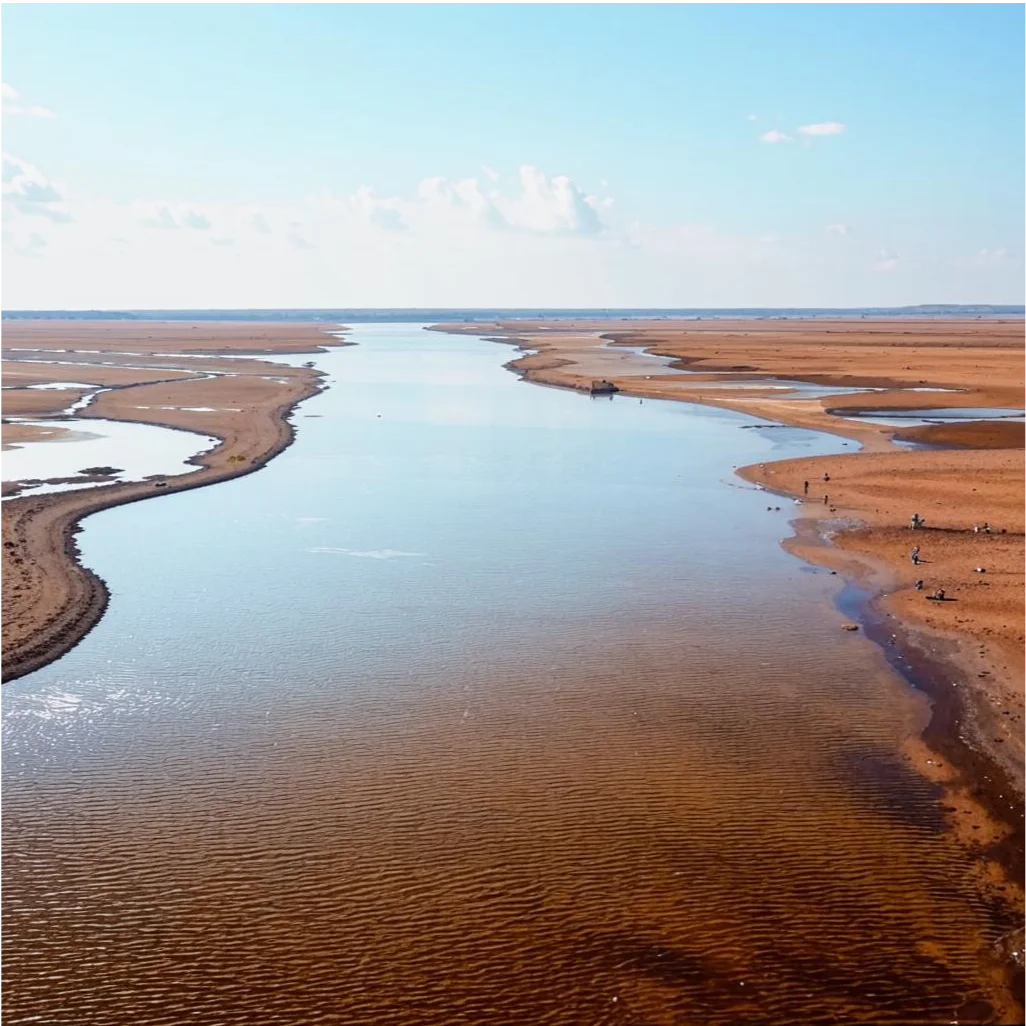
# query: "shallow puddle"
137 450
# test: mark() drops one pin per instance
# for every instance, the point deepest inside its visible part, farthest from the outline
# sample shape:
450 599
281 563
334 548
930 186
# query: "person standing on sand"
806 487
915 556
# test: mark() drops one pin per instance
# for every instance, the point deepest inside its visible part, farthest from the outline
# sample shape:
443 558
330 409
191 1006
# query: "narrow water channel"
482 703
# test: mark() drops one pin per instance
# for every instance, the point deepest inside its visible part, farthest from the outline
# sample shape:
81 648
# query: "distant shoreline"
366 315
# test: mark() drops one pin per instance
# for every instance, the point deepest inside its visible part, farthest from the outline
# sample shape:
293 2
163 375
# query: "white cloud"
529 239
490 173
386 213
297 237
822 128
542 205
13 107
988 258
258 222
159 214
885 261
839 230
551 205
25 242
774 136
29 192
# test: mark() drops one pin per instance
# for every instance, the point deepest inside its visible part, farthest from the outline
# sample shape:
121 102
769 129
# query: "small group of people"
983 528
826 478
917 522
937 596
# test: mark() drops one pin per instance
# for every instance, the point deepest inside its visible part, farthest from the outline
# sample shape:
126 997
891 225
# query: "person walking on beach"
806 487
915 556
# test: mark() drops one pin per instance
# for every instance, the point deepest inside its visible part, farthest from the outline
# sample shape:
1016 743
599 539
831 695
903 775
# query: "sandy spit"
50 601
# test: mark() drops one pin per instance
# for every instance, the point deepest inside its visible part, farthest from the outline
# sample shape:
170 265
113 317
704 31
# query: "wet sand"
50 601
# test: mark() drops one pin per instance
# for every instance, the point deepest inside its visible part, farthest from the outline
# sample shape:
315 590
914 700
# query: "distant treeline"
519 313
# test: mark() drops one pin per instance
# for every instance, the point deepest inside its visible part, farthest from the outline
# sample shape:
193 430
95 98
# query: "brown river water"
484 703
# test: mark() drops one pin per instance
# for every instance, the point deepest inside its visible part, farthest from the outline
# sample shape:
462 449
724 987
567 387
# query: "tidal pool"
941 415
137 450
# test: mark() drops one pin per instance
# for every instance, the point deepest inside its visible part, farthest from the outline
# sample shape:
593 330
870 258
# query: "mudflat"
149 372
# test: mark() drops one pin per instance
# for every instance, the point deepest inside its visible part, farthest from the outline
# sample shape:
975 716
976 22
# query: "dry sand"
49 600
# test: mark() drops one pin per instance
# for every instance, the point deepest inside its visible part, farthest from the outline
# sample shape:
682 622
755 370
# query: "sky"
477 155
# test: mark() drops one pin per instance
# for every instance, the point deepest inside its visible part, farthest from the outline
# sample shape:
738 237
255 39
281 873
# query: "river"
483 703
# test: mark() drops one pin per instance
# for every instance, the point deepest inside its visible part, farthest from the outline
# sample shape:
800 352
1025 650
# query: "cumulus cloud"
160 214
296 237
774 136
822 128
385 213
552 205
13 106
29 192
440 198
540 205
886 260
839 230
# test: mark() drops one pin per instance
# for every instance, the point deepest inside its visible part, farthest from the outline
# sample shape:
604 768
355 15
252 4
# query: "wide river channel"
483 703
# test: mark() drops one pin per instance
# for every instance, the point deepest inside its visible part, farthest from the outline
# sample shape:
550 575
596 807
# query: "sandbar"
50 601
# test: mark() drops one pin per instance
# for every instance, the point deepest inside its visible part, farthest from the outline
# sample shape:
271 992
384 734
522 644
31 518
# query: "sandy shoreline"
51 601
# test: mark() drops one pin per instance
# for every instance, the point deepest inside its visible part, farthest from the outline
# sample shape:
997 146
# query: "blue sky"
359 155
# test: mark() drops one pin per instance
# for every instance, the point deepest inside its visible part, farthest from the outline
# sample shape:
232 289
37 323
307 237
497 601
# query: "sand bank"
50 601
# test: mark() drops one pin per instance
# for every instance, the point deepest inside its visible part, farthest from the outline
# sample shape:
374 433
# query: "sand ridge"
50 601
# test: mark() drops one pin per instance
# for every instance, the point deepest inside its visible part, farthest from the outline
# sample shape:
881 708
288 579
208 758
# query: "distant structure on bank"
603 388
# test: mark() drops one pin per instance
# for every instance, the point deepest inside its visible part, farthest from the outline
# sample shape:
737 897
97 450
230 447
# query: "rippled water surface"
483 703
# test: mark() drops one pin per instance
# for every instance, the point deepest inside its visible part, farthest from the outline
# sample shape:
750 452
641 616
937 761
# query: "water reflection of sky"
137 450
942 415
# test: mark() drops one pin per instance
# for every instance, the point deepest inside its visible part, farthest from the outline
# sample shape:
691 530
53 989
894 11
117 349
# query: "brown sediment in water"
50 601
856 508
